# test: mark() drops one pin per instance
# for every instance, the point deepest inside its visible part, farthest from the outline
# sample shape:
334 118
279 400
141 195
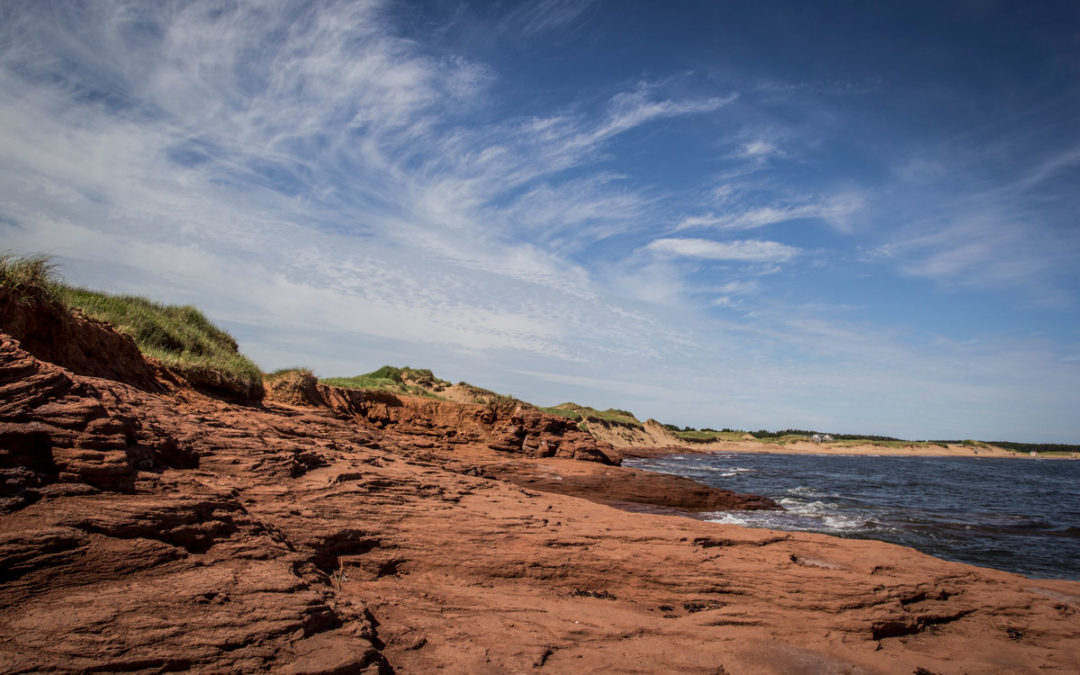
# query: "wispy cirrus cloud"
544 16
759 149
335 156
987 250
745 250
835 211
989 213
343 187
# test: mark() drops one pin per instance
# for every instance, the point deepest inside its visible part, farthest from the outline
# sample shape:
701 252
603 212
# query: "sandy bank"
809 448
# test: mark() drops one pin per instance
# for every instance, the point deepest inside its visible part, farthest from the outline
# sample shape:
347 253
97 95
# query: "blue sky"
840 216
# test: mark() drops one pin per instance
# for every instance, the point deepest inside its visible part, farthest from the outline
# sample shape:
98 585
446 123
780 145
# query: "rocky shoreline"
148 527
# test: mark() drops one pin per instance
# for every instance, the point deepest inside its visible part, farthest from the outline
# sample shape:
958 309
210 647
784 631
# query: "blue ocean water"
1019 515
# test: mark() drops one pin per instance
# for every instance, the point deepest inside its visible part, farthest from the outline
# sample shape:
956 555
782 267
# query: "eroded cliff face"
76 342
505 426
147 527
516 430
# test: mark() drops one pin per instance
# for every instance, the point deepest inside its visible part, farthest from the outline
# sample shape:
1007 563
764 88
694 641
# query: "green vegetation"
296 386
30 280
288 374
387 377
181 338
585 414
422 382
763 434
479 393
707 435
884 444
408 381
1041 448
562 412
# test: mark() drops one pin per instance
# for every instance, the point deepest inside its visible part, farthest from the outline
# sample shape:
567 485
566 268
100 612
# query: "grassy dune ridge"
409 381
179 337
185 341
584 415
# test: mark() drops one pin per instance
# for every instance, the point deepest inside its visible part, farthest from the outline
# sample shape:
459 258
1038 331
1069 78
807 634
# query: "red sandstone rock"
621 486
76 342
520 432
149 532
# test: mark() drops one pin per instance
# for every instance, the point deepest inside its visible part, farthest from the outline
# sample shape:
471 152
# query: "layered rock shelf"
147 527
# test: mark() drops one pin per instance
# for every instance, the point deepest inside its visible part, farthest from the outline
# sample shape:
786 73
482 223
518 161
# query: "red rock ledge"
149 528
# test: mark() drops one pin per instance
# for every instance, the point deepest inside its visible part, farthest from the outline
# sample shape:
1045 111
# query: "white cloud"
318 182
836 211
747 250
634 108
984 249
254 153
545 16
759 149
739 287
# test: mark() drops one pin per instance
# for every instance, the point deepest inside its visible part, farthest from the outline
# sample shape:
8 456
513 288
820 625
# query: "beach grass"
569 414
29 279
586 414
179 337
407 381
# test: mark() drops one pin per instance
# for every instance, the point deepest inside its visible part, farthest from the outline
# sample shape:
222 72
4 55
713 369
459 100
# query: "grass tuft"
31 280
288 373
296 386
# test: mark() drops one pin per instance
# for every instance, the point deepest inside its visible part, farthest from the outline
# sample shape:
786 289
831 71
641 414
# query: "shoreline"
835 449
828 494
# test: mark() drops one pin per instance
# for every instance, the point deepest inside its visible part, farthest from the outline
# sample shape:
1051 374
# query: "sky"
853 217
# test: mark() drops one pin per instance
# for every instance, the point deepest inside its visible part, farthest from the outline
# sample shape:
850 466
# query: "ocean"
1018 515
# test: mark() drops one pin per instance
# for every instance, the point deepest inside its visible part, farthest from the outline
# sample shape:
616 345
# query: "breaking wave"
1012 514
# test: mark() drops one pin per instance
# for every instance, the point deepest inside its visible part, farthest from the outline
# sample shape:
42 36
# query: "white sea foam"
842 523
726 518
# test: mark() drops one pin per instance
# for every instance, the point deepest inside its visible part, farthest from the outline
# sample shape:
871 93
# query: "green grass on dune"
422 382
282 373
29 279
409 381
180 337
586 414
708 435
563 412
185 341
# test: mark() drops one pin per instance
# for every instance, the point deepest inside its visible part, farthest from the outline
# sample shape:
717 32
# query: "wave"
735 471
1026 520
808 517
